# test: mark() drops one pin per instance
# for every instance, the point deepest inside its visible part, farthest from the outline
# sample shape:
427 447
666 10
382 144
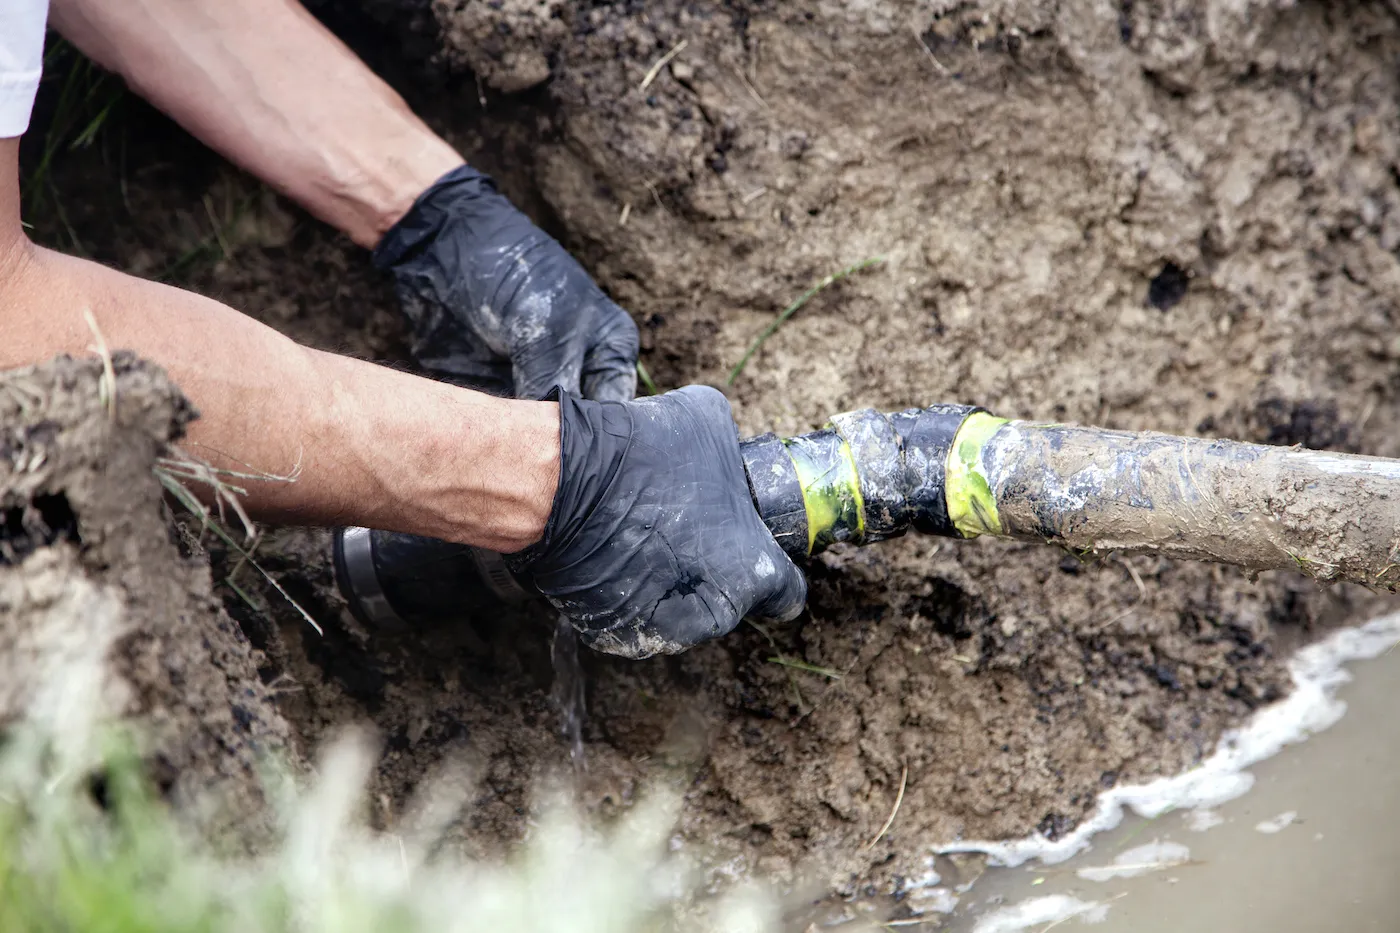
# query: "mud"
1146 215
89 566
1301 849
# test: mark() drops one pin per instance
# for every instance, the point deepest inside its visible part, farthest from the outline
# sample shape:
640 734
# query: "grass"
1149 821
894 811
215 245
662 62
771 329
785 661
85 110
130 864
177 474
87 846
645 378
1317 569
798 701
793 308
87 98
107 386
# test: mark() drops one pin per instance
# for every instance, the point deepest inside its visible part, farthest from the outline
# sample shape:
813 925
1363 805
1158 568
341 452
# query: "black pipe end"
927 435
776 492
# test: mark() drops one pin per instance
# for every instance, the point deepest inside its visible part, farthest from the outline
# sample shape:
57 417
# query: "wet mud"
1149 215
1301 850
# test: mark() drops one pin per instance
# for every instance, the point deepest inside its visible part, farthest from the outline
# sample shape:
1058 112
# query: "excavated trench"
1149 214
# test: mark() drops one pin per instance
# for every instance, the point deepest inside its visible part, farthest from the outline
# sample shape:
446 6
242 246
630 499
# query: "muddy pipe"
958 471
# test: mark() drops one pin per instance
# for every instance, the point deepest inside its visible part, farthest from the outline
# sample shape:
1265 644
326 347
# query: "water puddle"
1312 846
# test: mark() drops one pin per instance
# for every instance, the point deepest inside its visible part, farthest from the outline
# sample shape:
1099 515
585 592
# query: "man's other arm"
372 446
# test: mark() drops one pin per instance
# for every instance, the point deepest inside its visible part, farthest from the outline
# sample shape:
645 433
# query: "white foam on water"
1202 819
933 900
1041 911
1277 824
1139 860
1311 707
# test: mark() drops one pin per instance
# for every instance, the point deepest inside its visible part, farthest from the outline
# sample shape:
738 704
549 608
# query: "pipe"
958 471
1333 516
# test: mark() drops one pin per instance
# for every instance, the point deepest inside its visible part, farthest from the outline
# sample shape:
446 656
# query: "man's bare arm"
494 301
374 446
270 88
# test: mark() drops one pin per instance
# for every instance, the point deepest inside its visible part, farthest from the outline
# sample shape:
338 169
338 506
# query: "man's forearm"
269 87
371 446
266 85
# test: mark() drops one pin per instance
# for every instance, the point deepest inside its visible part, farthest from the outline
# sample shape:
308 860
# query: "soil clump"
1144 215
91 570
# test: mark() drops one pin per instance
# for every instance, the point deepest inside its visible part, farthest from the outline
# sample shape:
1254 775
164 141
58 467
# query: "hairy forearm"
368 445
266 85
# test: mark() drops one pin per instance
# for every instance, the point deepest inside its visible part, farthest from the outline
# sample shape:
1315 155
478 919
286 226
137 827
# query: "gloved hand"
497 304
653 543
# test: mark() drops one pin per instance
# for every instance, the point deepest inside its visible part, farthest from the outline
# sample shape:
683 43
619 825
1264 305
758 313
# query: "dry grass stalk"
894 811
176 473
662 62
107 387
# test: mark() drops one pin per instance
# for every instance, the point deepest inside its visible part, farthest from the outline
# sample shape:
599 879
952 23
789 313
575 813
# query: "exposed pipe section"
958 471
1332 516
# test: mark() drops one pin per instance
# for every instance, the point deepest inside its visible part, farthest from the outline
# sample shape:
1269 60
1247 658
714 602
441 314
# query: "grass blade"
793 308
647 382
804 666
174 484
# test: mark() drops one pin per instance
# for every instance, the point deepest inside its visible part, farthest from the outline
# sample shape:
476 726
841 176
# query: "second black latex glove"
653 544
497 304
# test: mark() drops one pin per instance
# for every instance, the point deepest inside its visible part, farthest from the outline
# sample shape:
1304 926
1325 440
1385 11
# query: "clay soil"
1159 214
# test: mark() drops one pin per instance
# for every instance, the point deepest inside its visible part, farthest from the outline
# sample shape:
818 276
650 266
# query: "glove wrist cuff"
432 209
521 561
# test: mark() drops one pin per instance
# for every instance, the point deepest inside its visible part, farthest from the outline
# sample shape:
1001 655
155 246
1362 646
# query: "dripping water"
567 691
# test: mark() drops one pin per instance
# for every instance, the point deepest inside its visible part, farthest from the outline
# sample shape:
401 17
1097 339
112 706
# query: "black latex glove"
497 304
653 544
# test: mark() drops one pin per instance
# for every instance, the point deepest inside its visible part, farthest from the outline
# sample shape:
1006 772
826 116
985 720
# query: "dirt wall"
1179 216
1167 215
92 580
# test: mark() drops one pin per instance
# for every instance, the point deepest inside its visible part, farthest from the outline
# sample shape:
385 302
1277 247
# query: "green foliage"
86 99
646 380
120 861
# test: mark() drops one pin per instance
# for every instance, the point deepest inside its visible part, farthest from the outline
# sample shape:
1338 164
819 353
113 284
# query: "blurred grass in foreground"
83 854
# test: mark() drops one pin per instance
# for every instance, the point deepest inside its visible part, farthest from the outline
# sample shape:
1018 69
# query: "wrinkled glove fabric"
499 305
653 544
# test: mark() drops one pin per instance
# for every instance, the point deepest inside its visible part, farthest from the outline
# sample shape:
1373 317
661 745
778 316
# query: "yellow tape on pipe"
827 473
972 506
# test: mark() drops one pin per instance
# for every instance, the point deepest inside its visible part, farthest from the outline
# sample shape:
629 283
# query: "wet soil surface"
1160 215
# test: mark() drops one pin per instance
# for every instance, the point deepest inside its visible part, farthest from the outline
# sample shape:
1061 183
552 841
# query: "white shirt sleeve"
21 61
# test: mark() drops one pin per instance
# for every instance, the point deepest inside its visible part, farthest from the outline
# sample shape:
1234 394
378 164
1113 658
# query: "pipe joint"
866 476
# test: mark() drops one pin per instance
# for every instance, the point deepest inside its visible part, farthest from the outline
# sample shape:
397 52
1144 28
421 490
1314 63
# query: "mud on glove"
653 543
497 304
